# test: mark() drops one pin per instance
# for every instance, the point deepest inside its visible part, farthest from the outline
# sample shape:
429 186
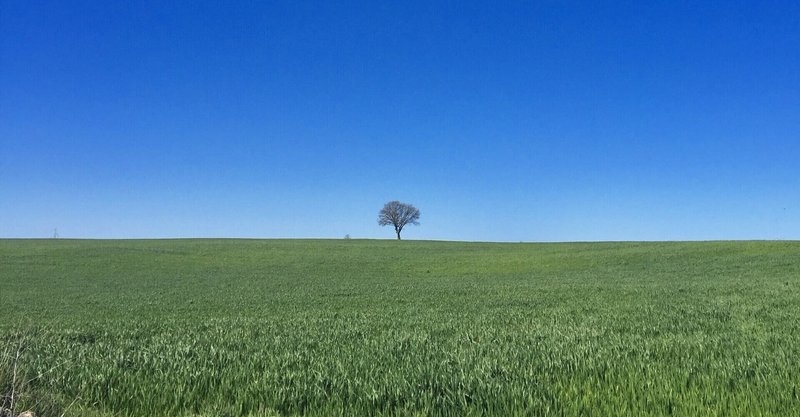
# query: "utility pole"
55 233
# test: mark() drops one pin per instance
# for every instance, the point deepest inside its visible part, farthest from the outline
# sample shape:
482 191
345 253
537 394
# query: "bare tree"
398 215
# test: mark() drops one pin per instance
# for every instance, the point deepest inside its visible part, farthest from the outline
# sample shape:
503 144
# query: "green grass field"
387 328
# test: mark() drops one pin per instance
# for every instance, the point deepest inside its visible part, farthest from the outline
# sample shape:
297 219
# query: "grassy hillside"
350 327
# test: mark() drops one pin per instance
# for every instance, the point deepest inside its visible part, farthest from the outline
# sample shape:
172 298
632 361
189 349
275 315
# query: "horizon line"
395 240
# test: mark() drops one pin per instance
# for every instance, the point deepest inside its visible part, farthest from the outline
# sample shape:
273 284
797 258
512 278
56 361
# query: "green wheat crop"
386 328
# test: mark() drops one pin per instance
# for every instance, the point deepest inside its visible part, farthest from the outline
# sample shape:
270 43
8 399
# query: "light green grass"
351 327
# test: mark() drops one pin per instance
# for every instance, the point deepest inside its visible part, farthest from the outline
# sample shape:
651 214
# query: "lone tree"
398 215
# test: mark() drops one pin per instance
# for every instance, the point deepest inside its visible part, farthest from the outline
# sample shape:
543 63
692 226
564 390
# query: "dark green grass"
326 328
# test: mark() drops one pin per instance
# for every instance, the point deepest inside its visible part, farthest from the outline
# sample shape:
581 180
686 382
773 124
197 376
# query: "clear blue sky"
522 121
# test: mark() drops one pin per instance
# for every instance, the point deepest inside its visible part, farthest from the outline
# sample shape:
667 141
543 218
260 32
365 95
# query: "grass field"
385 328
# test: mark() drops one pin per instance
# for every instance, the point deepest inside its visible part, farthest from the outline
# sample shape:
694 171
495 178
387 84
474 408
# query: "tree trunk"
398 234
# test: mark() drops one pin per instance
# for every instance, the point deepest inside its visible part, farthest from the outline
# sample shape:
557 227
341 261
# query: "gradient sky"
526 121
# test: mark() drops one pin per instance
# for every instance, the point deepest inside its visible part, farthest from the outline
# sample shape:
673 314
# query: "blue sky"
521 121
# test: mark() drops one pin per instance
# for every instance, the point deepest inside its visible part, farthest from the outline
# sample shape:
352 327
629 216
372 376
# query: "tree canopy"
398 215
